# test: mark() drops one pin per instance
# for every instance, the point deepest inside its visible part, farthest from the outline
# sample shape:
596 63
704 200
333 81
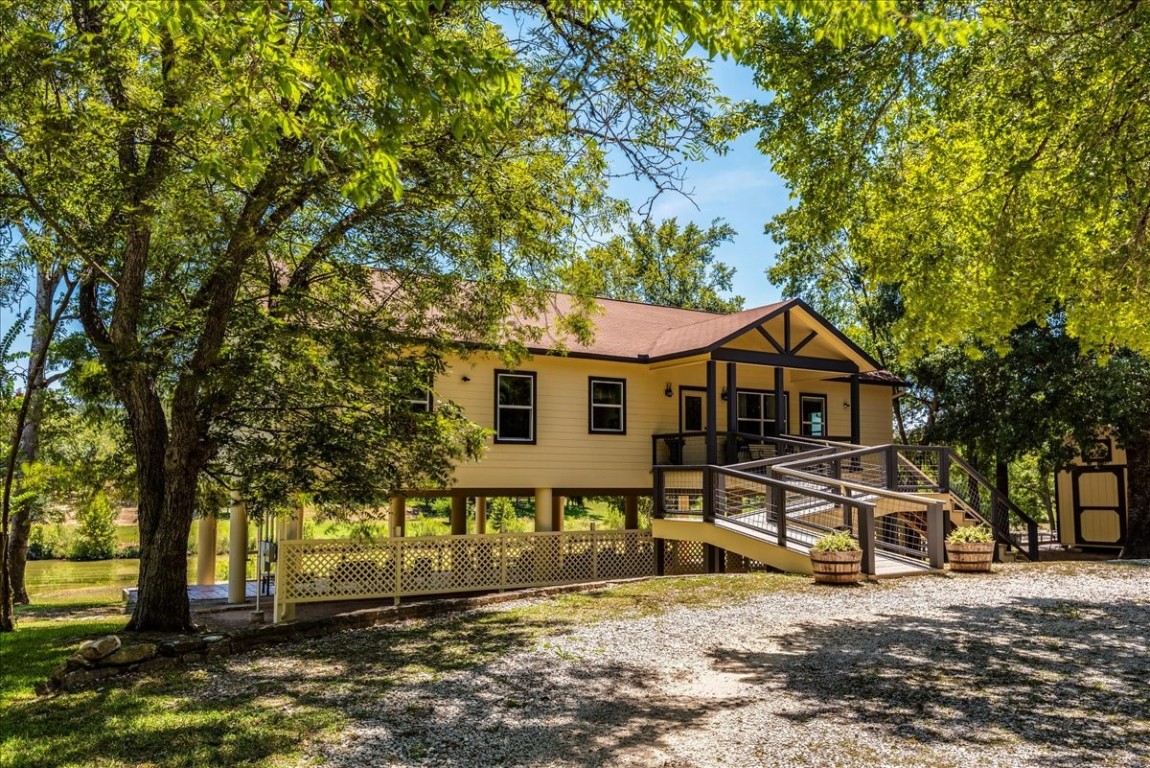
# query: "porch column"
631 512
458 515
238 551
287 528
856 411
732 414
558 506
712 414
397 516
481 514
206 550
543 521
780 402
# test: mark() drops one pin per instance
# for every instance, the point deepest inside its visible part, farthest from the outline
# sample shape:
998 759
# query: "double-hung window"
756 413
514 407
608 406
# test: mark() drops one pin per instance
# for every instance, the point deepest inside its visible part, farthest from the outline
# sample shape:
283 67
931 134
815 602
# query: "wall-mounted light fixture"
846 404
667 390
724 394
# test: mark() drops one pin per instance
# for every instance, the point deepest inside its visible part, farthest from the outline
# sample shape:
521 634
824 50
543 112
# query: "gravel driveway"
1032 666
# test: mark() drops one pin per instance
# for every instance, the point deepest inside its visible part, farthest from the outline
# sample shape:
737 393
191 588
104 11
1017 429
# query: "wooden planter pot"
970 557
836 567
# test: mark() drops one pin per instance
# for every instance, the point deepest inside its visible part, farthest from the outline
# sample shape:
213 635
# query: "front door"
1099 505
692 409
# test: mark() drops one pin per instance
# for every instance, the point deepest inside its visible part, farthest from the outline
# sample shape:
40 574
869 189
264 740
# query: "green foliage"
49 542
839 541
503 517
96 533
660 264
990 177
971 534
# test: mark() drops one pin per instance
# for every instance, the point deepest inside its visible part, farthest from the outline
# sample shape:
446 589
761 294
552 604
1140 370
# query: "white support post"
206 550
238 552
543 509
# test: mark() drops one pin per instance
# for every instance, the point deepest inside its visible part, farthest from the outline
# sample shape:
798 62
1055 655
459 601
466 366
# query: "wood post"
712 413
206 550
481 514
397 516
631 512
543 512
856 411
458 515
780 403
238 551
558 505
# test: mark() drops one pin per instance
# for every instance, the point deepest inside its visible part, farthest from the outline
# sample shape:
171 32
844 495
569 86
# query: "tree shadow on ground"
399 679
1068 676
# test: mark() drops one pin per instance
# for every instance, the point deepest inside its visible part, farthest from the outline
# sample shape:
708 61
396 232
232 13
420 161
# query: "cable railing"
892 475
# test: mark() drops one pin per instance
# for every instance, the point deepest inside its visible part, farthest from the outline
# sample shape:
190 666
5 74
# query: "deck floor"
209 593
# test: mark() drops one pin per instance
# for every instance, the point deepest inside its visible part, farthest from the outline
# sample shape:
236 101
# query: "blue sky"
737 187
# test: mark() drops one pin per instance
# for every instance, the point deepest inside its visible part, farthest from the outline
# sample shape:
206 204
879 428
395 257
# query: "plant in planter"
970 549
836 559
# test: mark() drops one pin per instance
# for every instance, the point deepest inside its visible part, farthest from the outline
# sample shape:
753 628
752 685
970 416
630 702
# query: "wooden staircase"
773 509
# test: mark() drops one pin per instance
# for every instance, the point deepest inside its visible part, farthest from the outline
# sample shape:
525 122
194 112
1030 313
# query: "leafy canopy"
989 181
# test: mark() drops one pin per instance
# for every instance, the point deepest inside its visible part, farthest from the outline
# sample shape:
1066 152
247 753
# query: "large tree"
270 204
660 264
990 181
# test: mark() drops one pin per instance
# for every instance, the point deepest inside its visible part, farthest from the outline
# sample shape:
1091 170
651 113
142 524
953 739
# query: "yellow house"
754 434
1090 495
659 385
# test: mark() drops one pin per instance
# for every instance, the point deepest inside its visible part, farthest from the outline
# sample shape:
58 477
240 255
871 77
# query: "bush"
96 534
840 541
502 516
48 543
971 534
129 552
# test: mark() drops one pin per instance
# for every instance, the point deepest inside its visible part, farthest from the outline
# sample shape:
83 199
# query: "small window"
608 399
514 407
756 413
420 398
813 412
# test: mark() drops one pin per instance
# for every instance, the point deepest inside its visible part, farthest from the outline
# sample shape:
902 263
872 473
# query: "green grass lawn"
197 717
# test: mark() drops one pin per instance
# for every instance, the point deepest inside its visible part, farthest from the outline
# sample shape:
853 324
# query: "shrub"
48 543
971 534
96 534
839 541
502 516
129 552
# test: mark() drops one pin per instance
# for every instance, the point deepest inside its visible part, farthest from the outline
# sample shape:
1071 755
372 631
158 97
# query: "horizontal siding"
566 455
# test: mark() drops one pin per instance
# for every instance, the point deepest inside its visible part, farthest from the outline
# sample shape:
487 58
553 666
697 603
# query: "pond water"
98 579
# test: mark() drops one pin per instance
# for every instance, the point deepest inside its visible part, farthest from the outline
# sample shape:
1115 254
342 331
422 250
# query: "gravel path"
1032 666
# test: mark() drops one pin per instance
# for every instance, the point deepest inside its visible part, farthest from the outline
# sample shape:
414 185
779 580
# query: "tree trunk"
1002 477
1138 496
42 328
166 481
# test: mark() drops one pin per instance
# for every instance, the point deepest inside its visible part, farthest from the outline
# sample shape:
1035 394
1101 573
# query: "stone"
181 645
195 657
132 654
156 664
100 647
79 661
211 639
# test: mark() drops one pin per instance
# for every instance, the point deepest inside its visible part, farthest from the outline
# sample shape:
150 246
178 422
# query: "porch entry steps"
893 499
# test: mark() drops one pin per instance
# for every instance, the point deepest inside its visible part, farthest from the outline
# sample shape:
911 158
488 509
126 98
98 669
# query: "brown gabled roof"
633 331
627 330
